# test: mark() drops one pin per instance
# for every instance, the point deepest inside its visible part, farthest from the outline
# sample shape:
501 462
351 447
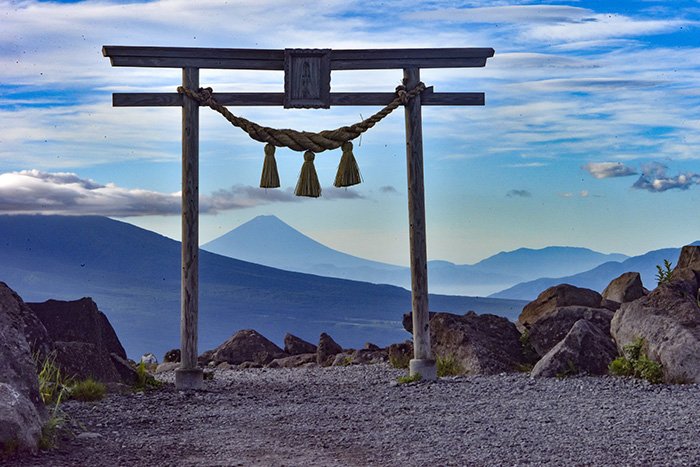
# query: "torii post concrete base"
189 380
424 367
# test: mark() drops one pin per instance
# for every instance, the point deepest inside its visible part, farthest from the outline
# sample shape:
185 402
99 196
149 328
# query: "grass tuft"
409 378
88 390
448 366
637 364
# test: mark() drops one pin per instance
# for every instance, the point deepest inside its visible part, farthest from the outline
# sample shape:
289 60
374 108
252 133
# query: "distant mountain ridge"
134 277
268 240
599 277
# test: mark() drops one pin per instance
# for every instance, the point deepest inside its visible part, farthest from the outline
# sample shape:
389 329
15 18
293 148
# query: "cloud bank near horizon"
37 192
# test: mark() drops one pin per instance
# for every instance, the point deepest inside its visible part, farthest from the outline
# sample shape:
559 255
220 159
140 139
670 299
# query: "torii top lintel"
265 59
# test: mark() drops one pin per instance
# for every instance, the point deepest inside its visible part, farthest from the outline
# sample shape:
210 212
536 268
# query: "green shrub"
663 275
637 364
399 360
448 366
409 378
88 390
52 383
144 380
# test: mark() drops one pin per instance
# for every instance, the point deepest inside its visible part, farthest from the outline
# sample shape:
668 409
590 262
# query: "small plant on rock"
88 390
448 366
399 360
663 274
637 364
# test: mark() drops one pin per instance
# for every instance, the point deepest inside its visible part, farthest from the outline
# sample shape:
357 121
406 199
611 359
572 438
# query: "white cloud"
655 179
609 169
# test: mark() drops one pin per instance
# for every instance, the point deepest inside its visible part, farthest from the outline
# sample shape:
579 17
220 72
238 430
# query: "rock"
88 435
400 354
689 258
247 345
482 344
78 321
342 359
368 356
224 366
84 341
294 345
171 356
370 346
545 333
149 359
167 366
206 358
246 365
668 319
126 370
293 361
22 412
327 350
407 320
556 297
585 349
626 288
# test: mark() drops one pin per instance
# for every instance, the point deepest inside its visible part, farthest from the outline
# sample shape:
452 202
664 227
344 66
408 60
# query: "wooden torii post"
307 85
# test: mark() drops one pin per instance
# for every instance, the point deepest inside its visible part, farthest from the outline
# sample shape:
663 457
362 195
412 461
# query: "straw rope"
302 140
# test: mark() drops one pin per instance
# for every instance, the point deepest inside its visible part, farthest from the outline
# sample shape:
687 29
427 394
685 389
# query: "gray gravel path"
355 416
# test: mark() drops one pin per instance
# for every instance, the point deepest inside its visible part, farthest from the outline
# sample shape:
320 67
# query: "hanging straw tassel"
269 178
308 184
348 171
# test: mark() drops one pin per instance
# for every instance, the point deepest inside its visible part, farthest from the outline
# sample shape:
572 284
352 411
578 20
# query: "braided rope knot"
302 140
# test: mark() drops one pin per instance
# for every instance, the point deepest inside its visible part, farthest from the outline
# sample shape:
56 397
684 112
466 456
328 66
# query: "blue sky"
590 136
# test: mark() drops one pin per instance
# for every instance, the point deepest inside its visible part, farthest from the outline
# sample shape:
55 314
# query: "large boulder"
294 345
247 345
668 319
327 350
22 412
482 344
555 297
407 320
84 341
585 349
546 332
626 288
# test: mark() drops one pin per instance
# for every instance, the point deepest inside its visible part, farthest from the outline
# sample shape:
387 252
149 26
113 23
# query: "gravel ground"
359 416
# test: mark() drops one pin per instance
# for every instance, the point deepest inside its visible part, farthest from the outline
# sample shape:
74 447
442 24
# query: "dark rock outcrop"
407 320
84 341
172 356
545 333
22 412
400 354
294 345
556 297
247 345
585 349
626 288
293 361
482 344
668 319
327 350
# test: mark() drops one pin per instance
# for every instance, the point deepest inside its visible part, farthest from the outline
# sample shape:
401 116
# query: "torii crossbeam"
311 68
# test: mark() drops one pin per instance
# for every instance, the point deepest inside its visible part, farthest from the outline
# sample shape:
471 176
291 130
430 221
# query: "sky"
590 135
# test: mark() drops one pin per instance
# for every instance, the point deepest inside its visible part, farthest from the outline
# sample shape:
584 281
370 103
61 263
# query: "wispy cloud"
519 194
609 169
33 191
655 179
388 189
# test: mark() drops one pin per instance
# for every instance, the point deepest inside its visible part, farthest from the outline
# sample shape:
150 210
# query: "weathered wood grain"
190 224
416 219
243 99
254 59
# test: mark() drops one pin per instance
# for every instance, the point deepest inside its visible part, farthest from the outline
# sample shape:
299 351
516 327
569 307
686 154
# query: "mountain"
269 241
599 277
134 276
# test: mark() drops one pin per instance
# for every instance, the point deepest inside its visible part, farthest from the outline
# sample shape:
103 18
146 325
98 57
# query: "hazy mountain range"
599 277
268 240
134 276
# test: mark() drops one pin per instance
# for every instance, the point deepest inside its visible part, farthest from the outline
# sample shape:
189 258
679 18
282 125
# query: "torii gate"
307 85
